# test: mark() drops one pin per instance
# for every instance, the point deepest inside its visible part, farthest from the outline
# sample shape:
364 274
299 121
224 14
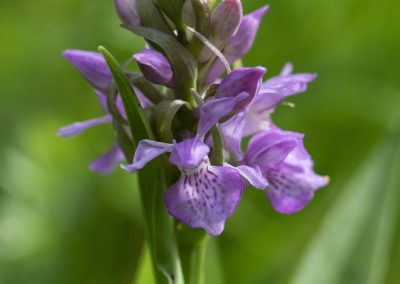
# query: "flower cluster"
224 109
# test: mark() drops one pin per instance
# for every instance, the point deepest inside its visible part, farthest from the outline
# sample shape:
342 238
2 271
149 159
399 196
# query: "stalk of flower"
182 118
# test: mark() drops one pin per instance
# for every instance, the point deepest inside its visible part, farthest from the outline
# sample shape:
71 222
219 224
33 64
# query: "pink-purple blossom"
206 138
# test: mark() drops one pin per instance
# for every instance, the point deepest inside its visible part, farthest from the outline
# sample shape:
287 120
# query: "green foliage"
60 223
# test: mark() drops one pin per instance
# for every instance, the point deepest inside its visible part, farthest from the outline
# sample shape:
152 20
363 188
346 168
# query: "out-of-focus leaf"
183 64
162 117
354 240
159 225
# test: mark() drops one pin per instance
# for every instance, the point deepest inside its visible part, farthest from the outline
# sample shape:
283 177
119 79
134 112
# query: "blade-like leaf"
355 238
159 225
183 64
162 117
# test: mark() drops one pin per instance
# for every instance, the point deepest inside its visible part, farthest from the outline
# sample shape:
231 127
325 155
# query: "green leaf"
173 9
203 24
353 244
159 225
146 87
162 116
151 17
183 64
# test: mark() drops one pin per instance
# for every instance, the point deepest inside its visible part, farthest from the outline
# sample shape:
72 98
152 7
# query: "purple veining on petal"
91 65
146 151
292 181
107 162
79 127
189 153
155 67
205 196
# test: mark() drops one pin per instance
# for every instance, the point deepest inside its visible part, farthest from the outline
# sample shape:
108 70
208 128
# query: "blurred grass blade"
159 225
353 243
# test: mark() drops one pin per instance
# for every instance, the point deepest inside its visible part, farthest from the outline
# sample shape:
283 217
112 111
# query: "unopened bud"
127 12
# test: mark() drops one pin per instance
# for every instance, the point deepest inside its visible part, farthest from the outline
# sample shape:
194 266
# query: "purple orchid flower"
94 69
239 44
257 116
205 195
272 93
285 163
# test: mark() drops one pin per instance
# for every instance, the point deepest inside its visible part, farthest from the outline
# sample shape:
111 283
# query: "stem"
192 246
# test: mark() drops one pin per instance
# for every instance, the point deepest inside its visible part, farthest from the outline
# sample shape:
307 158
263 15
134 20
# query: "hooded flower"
285 163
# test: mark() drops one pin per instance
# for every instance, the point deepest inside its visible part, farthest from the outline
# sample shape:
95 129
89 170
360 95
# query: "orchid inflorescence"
200 112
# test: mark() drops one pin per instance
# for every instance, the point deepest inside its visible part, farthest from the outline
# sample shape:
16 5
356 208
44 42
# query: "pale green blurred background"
61 223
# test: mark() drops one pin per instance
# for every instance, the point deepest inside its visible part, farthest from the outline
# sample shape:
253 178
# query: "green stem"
192 246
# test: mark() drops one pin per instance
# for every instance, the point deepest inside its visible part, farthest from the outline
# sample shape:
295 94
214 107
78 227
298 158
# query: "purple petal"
239 44
189 153
232 134
241 80
127 11
225 21
79 127
257 122
155 67
146 151
214 109
205 197
143 100
91 65
252 175
242 41
292 186
105 163
276 89
103 100
268 149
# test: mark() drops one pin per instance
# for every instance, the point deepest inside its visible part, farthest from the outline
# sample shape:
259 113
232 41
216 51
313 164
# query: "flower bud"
155 67
127 11
91 65
225 22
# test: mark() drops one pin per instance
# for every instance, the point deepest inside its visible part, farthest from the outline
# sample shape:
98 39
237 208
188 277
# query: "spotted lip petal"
91 65
205 196
155 67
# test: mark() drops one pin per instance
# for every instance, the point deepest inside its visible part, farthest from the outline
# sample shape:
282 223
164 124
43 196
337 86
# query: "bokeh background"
61 223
